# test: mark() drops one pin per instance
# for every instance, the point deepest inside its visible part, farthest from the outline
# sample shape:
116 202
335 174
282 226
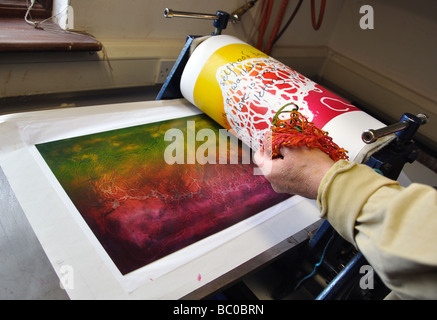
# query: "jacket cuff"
344 190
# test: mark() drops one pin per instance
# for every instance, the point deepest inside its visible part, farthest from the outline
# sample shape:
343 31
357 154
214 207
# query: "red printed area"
296 131
325 106
255 89
142 209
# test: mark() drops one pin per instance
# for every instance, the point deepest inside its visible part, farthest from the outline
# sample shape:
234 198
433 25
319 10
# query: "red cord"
316 25
297 131
266 10
276 27
290 20
261 16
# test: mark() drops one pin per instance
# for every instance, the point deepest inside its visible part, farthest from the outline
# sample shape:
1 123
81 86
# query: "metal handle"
169 13
371 135
424 118
220 18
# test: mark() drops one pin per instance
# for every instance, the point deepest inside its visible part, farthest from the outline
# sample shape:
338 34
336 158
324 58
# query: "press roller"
242 88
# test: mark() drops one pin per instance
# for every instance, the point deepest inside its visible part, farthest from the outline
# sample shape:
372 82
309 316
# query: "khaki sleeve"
394 227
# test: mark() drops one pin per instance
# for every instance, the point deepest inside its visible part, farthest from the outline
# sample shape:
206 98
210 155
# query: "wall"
136 36
143 27
402 45
390 69
143 20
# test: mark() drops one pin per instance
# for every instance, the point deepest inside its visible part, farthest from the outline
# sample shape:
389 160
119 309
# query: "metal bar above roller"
169 13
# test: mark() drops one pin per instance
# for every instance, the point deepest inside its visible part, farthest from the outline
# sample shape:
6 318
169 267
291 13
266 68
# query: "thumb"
263 161
258 157
286 151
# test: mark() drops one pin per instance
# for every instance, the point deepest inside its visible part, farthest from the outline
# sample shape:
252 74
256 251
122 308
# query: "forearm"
393 227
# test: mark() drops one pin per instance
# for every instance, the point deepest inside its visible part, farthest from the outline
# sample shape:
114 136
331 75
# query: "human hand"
300 171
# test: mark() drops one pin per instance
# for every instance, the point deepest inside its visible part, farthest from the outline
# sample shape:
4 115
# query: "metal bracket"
405 128
220 18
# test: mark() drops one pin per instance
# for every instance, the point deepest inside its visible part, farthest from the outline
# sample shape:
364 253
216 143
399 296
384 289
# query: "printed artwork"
242 88
141 207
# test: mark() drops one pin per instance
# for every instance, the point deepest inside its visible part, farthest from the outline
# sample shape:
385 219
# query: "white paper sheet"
68 241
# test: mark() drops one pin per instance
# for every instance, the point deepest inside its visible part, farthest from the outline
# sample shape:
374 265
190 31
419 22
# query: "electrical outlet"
164 68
